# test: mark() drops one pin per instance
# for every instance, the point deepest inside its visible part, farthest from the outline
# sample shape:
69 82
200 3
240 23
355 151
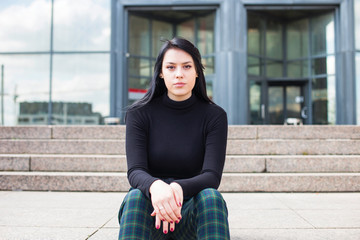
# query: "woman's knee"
209 197
136 202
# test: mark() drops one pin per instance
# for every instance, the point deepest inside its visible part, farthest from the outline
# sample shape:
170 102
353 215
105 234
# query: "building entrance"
286 104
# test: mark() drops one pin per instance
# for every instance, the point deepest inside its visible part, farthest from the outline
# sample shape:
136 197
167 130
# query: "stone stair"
259 158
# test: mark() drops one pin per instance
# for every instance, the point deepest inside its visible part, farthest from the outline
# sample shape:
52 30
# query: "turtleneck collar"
179 104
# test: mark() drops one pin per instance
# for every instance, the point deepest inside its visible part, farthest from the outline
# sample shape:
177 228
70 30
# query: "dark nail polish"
171 222
171 229
165 232
177 221
180 204
163 220
179 218
157 227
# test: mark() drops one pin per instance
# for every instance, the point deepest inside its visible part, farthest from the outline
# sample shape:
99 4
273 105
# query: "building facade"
266 61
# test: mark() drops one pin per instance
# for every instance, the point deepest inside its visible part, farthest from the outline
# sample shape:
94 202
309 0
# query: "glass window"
187 30
255 103
81 88
139 37
357 23
297 69
80 26
323 100
254 66
297 39
255 26
324 65
323 36
139 67
274 44
276 105
206 34
274 69
160 31
26 88
25 25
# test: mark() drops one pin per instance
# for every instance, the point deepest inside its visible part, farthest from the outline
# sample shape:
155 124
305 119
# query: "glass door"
286 104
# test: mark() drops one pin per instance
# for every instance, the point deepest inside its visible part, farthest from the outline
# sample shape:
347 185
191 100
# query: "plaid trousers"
204 216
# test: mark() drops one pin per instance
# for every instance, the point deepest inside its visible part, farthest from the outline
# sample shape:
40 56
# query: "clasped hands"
167 200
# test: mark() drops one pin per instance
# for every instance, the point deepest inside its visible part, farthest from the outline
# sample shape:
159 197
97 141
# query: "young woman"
175 146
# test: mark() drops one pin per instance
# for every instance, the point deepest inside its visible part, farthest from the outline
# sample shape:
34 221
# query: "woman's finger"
165 227
157 222
170 214
172 227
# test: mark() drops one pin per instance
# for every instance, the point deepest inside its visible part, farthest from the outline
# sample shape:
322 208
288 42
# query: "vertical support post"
2 95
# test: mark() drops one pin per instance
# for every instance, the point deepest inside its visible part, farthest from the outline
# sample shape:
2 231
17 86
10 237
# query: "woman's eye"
170 67
187 66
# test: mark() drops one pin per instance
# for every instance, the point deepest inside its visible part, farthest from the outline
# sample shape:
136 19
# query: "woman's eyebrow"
181 63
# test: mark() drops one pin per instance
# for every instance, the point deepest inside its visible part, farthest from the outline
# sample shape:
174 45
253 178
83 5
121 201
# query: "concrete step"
234 147
231 182
233 163
235 132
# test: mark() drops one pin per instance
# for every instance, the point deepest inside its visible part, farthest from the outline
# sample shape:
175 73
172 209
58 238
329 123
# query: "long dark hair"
157 85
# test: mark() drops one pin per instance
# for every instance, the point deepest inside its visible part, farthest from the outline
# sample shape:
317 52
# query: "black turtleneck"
183 142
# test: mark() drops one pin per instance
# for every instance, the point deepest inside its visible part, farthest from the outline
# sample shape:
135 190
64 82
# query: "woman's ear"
160 75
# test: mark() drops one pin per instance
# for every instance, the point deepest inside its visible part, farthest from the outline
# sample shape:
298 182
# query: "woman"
175 146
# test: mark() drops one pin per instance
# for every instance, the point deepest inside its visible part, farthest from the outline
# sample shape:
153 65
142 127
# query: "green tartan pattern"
203 217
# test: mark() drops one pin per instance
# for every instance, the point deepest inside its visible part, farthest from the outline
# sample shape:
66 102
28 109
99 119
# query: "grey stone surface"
244 164
265 216
22 132
89 132
328 163
309 132
293 147
295 182
79 163
14 162
48 181
62 147
242 132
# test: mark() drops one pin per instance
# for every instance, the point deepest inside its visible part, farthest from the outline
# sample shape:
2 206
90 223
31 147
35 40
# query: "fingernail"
171 222
177 221
157 227
165 232
171 229
179 218
163 220
180 204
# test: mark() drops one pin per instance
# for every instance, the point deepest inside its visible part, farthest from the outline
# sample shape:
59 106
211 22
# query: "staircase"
259 159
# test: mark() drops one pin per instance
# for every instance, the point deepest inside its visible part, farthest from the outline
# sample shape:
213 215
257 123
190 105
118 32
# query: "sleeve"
214 158
137 153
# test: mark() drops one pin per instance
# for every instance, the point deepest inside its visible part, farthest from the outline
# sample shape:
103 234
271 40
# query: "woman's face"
179 74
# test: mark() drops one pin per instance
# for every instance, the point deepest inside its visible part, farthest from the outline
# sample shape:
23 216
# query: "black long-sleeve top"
183 142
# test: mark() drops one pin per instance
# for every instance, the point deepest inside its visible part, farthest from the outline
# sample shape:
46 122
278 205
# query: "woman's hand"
167 201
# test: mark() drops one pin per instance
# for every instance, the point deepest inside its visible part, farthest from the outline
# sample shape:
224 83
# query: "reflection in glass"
255 103
276 105
160 31
81 85
274 69
323 36
297 69
274 45
186 30
26 81
206 34
297 37
293 102
209 65
139 66
323 100
82 27
139 37
255 34
254 66
323 65
25 26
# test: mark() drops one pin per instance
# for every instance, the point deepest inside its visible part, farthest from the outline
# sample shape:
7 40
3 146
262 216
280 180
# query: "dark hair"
157 85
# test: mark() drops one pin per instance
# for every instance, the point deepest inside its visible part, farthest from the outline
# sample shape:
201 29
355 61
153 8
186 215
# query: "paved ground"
79 215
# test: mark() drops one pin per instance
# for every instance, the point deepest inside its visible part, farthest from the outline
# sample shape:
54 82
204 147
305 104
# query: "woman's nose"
179 73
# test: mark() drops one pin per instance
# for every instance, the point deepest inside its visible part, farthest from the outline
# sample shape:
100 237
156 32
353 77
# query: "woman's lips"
179 84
